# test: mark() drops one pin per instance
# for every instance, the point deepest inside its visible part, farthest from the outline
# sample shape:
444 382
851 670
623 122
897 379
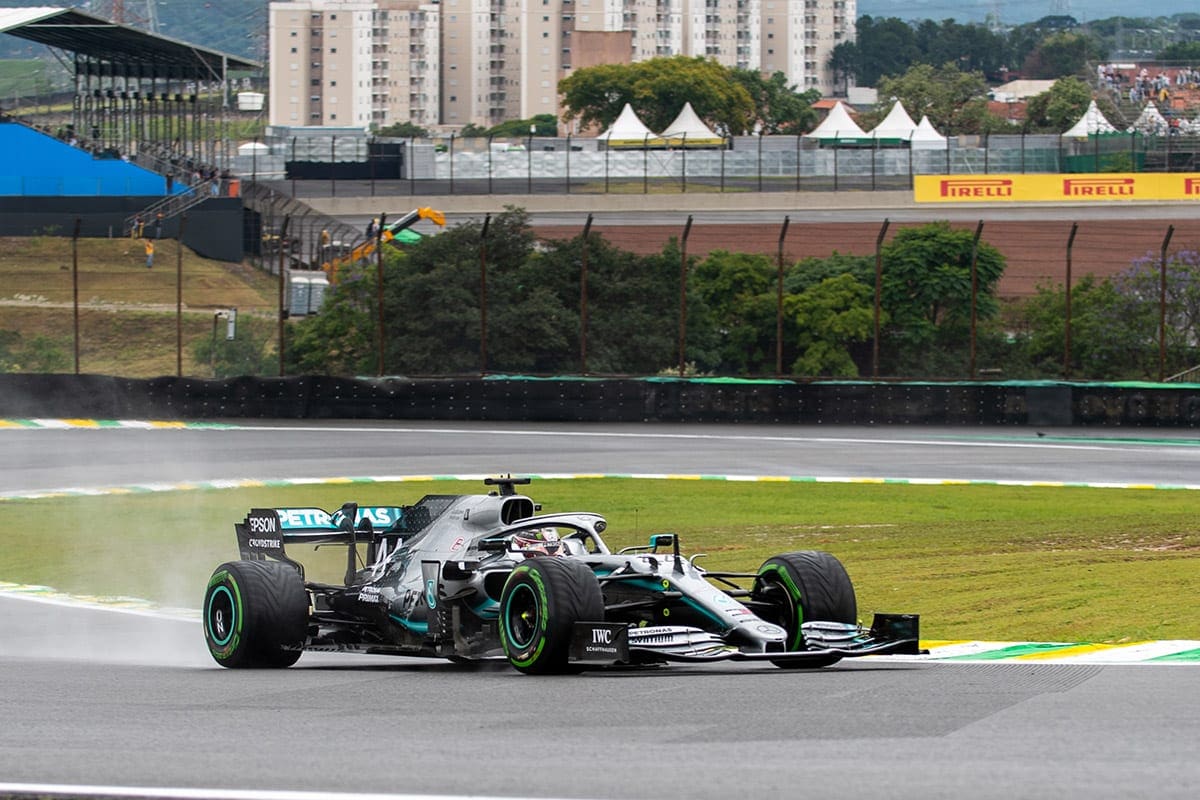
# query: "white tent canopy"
926 137
1091 123
1151 120
689 129
628 130
896 125
838 125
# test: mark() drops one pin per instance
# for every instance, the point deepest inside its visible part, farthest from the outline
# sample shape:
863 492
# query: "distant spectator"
149 253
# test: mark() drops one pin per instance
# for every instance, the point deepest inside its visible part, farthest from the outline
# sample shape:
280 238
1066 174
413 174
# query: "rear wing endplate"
265 531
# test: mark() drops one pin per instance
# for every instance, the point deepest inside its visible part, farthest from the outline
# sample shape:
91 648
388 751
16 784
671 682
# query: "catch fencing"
535 165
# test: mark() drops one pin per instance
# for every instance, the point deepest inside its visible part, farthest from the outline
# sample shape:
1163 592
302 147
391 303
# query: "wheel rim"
521 616
789 617
221 616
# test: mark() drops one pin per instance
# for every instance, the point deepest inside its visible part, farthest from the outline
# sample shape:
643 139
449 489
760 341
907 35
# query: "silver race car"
488 577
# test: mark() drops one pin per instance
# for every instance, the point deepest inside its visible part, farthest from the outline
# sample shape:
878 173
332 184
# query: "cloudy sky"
1017 11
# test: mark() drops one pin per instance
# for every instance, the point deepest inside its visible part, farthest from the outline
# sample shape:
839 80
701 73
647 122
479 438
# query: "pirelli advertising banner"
1056 188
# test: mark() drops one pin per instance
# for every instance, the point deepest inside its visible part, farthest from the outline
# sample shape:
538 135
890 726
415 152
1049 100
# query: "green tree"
432 298
830 318
1181 51
472 131
404 130
887 46
1059 108
779 107
845 62
341 339
1062 54
657 89
926 291
540 125
955 101
1115 322
626 293
973 48
809 272
739 289
248 353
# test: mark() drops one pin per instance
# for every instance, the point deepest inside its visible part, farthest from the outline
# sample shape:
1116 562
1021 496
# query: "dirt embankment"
1036 252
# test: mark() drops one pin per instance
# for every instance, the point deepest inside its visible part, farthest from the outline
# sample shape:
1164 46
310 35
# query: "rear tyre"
802 587
542 600
255 614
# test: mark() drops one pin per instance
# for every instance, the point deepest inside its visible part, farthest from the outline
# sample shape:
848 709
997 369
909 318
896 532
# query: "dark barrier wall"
603 400
214 228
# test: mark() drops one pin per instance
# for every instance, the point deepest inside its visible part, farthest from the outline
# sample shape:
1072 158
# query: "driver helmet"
542 541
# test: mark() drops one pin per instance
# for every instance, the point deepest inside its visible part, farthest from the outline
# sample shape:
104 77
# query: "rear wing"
265 531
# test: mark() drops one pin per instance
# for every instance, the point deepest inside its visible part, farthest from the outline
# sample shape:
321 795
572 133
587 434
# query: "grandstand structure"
132 86
147 122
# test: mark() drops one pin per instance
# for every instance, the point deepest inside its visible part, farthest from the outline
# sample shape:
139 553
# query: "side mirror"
658 540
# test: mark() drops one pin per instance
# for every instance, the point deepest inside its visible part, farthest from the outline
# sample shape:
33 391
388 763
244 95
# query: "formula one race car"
486 577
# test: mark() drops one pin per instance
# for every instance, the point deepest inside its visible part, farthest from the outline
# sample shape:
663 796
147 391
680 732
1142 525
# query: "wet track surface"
97 697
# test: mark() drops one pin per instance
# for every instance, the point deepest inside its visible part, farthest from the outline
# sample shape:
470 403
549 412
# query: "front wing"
607 643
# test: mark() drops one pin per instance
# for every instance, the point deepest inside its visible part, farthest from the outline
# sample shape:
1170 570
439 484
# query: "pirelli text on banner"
1055 188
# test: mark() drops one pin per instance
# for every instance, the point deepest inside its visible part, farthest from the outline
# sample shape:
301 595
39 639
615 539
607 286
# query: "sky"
1014 12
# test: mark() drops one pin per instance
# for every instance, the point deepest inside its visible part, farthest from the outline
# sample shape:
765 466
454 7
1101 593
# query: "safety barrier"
514 398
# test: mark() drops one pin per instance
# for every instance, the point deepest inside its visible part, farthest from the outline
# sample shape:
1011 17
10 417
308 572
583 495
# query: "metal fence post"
646 164
779 301
760 175
723 148
379 290
974 295
1162 306
583 298
483 320
75 286
283 248
179 297
683 281
683 164
798 163
878 296
1067 313
874 154
606 150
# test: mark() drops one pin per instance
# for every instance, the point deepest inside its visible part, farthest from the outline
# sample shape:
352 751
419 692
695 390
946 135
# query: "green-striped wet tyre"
542 600
255 614
802 587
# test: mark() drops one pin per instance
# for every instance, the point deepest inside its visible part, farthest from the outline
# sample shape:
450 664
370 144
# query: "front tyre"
806 586
542 600
255 614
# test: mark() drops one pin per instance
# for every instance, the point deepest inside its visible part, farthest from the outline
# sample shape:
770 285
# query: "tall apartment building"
454 62
798 37
354 63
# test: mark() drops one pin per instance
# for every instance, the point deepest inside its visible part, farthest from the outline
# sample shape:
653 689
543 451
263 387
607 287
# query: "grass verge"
977 562
127 317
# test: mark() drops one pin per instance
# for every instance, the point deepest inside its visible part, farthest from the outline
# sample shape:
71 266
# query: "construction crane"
388 234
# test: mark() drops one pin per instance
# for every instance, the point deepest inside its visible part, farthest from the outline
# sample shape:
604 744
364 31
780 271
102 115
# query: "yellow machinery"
389 233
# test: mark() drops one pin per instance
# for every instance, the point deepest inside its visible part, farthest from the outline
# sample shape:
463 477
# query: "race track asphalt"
93 697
